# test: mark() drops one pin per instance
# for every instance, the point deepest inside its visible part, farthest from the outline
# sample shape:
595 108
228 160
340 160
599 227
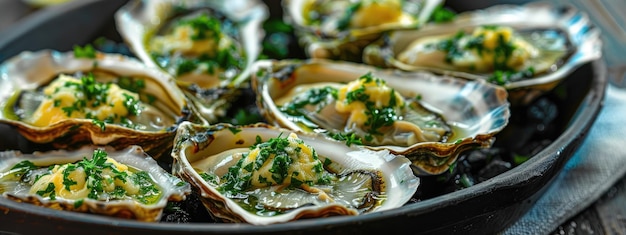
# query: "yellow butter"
301 167
59 96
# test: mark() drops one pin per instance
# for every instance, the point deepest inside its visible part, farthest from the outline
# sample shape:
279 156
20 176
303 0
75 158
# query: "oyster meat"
57 98
428 118
527 48
261 174
208 46
484 50
341 29
127 183
365 109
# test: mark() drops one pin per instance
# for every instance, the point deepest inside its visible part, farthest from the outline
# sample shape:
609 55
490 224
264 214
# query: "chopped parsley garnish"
67 181
349 138
48 191
132 104
208 177
502 77
84 52
22 168
344 22
441 15
99 175
228 58
186 66
91 95
377 116
280 151
99 123
93 169
225 55
204 26
327 162
452 46
78 203
148 192
315 96
502 53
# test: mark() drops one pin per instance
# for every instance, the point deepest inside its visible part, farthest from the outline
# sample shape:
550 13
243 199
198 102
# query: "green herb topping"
496 46
207 48
97 178
378 113
279 161
85 97
84 52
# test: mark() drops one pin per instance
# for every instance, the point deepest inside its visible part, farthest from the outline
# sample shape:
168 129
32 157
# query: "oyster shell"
547 43
321 177
341 29
68 180
452 114
102 119
207 45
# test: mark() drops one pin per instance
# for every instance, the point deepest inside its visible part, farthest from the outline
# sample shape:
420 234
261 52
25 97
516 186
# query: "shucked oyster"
366 110
127 183
207 45
429 119
54 97
260 174
341 29
528 49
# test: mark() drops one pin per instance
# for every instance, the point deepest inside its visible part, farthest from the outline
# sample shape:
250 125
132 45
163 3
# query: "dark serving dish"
550 130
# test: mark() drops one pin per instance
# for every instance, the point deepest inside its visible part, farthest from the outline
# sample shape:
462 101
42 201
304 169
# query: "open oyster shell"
563 38
23 77
207 45
474 109
341 29
367 181
16 182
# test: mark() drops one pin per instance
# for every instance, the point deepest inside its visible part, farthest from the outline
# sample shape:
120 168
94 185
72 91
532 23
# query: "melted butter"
377 12
301 168
81 189
365 107
180 41
377 92
60 97
197 51
463 53
334 15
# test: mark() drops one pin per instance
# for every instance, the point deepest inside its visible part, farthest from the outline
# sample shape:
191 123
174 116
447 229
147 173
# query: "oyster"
261 174
527 49
127 183
341 29
427 118
207 45
57 98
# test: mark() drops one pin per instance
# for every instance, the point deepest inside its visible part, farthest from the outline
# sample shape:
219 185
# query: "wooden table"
605 216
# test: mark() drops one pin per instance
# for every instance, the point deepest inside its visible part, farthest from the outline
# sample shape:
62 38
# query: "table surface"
607 215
